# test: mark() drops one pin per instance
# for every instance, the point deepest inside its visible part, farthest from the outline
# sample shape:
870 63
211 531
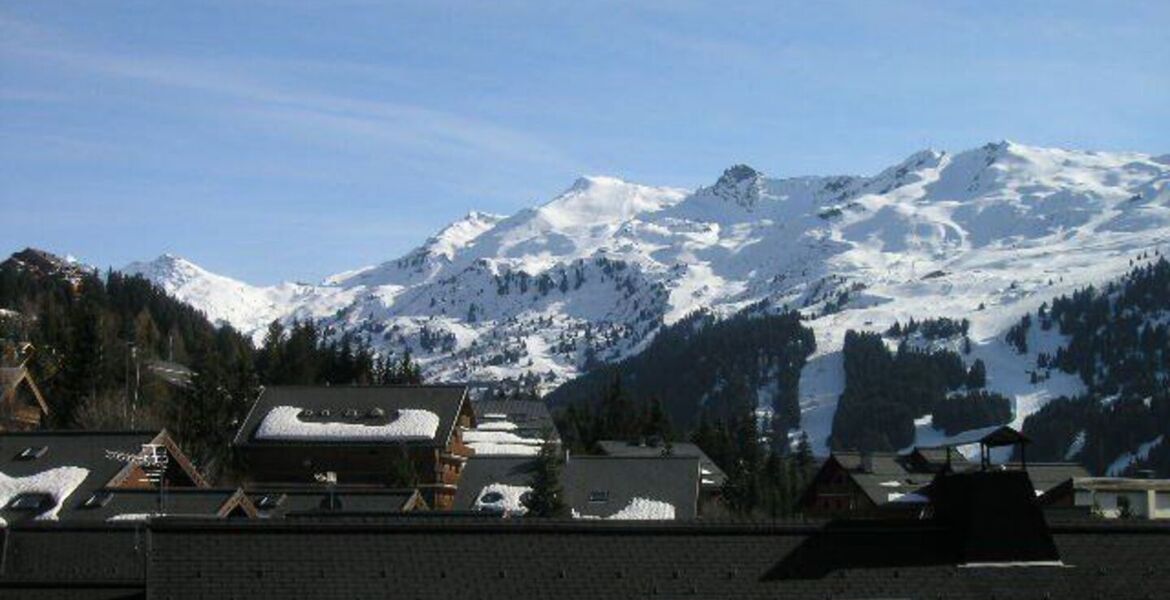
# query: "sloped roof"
305 501
1046 476
187 502
85 449
482 471
688 449
443 400
522 558
673 480
531 417
670 479
881 474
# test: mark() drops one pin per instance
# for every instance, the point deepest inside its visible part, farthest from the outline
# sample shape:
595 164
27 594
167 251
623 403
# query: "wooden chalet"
22 406
358 435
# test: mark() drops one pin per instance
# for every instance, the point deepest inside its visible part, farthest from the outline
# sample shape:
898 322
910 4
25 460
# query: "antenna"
153 459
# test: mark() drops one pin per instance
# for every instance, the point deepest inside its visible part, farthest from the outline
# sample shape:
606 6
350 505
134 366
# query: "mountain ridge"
591 275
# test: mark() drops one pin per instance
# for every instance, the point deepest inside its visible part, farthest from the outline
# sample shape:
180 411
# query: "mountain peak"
735 174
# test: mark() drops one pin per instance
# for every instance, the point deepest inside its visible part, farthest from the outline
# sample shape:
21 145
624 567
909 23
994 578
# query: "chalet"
49 475
293 502
1113 497
889 484
986 540
22 406
594 487
369 435
511 427
859 483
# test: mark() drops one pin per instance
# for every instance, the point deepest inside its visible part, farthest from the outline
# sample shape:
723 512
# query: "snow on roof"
499 437
495 416
639 509
910 498
133 517
496 426
491 448
500 497
58 483
891 484
283 423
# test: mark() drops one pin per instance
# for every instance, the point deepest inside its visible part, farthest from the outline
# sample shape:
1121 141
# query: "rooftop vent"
32 452
307 413
376 413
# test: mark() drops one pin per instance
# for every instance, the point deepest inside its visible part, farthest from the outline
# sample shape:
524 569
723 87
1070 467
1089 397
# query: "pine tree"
546 499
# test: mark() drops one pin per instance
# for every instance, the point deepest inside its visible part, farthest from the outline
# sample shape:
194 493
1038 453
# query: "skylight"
32 452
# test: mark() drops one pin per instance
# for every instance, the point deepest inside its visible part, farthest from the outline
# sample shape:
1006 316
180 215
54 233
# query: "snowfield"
986 234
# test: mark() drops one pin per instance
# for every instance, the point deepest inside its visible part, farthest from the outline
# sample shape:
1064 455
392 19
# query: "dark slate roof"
937 457
670 479
302 501
481 471
443 400
674 480
51 560
197 502
1046 476
531 417
522 558
621 448
876 473
85 449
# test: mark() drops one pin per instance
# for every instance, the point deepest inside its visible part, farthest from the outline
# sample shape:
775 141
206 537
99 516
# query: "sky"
292 139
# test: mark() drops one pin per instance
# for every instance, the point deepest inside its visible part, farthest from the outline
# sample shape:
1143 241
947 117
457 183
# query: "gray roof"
482 471
296 501
878 472
186 502
1046 476
670 479
674 480
85 449
443 400
531 417
688 449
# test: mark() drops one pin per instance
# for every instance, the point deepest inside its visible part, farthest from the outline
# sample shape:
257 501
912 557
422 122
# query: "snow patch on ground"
1123 462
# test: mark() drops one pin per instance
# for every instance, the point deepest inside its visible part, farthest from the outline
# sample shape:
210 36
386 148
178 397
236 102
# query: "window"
98 499
269 501
31 502
599 496
32 452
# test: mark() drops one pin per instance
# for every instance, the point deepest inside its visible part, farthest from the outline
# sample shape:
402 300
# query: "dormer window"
32 452
376 413
307 413
350 413
599 496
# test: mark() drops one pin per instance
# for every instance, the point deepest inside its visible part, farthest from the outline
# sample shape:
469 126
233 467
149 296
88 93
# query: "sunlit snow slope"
985 234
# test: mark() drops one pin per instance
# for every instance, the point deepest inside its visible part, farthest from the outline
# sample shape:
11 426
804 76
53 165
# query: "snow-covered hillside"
985 234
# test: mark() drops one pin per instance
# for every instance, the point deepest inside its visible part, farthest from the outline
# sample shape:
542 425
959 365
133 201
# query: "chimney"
866 462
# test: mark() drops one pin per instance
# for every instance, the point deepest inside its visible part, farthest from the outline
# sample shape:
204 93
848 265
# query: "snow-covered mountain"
985 234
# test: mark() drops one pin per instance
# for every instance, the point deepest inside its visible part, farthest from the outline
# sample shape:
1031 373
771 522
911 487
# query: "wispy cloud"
300 111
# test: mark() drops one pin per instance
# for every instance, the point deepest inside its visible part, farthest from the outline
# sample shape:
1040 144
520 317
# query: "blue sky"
292 139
